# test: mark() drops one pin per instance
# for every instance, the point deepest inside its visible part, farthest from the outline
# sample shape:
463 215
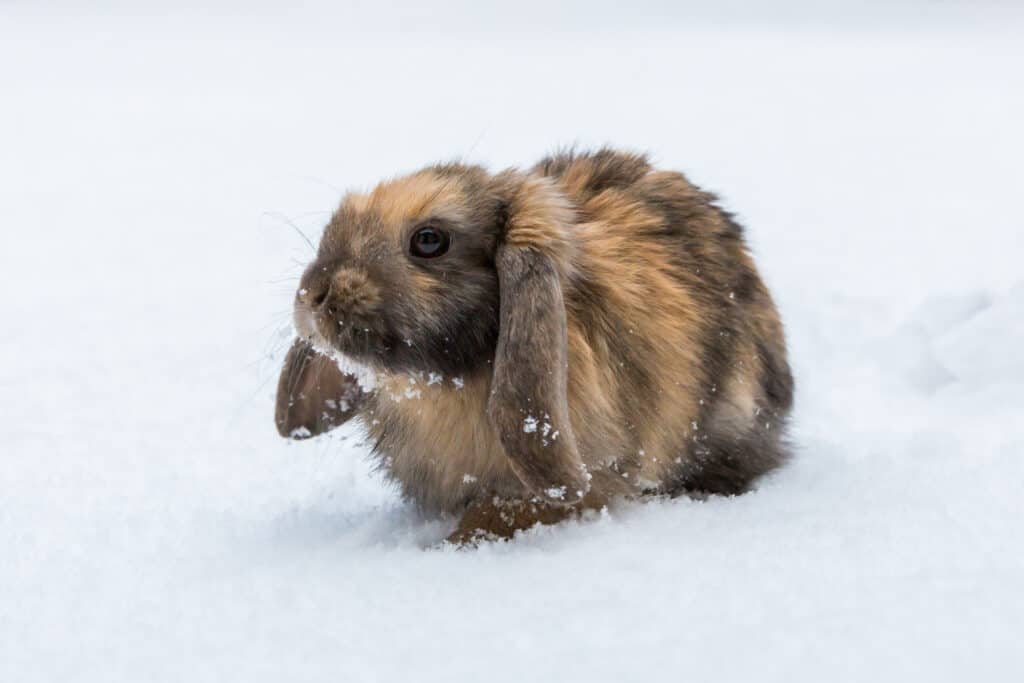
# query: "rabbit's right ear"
528 404
313 395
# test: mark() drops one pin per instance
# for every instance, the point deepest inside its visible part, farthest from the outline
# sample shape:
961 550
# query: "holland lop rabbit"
523 345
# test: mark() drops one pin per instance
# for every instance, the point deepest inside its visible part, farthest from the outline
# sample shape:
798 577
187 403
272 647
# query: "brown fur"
499 519
314 395
597 329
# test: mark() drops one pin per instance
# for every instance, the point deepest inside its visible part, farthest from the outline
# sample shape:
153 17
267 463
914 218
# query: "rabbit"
524 345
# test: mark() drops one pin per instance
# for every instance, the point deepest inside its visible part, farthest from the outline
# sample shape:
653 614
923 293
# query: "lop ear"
313 395
528 405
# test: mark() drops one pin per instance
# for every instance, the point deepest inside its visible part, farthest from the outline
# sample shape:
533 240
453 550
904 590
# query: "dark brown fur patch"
313 395
528 404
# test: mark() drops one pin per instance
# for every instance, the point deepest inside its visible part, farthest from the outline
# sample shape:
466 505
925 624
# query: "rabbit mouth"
361 342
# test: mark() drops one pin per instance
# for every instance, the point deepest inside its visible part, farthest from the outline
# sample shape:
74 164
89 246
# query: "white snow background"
153 527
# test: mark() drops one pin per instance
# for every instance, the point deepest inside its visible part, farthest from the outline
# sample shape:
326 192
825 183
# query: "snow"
365 376
154 527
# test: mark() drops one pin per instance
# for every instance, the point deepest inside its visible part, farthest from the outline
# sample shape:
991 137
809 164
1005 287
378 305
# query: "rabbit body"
598 330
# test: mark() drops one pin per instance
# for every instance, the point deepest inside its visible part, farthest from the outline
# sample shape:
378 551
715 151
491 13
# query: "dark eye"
429 242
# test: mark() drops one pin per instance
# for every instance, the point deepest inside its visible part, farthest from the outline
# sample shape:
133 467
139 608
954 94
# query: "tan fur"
457 452
405 199
540 218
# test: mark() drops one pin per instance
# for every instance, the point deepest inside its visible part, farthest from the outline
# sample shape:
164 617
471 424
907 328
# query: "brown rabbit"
523 345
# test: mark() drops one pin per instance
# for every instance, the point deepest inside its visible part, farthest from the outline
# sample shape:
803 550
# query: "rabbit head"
454 271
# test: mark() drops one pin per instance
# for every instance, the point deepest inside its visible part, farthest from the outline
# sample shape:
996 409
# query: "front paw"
499 520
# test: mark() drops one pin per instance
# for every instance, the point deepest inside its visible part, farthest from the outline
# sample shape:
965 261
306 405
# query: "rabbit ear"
528 405
313 395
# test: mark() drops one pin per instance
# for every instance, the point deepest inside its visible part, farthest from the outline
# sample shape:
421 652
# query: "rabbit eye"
429 242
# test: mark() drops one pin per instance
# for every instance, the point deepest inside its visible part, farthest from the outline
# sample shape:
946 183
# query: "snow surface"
153 527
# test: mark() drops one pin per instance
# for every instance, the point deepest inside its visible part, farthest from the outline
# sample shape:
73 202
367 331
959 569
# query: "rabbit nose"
313 294
341 291
352 291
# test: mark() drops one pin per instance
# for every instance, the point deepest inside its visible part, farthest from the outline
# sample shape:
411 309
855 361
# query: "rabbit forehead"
397 203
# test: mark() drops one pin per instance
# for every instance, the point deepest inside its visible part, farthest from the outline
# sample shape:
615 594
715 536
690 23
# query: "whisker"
290 278
320 181
284 219
472 148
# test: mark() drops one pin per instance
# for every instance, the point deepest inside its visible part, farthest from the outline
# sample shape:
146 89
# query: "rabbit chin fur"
597 329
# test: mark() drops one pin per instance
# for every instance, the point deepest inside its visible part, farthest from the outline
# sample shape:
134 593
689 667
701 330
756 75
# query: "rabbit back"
678 378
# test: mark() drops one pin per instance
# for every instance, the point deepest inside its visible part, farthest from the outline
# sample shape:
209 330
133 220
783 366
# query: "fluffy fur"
597 329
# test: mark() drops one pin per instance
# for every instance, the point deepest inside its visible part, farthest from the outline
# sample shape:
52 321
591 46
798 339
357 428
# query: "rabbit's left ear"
313 395
528 404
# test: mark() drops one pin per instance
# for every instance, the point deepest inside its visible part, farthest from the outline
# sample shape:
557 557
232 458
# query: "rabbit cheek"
444 325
